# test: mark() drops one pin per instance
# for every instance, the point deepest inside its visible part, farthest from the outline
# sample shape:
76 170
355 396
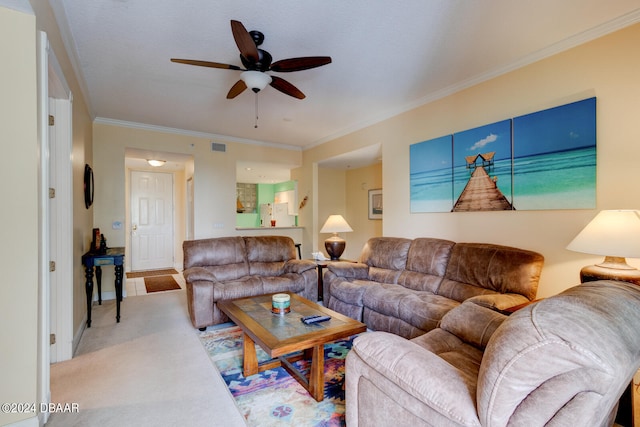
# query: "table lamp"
616 235
335 245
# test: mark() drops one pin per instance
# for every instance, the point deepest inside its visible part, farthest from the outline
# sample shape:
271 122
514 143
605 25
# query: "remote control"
308 320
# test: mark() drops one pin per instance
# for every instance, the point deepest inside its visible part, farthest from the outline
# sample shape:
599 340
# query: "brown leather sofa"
561 361
406 286
235 267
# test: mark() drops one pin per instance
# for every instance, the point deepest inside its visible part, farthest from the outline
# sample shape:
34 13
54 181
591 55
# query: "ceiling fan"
257 61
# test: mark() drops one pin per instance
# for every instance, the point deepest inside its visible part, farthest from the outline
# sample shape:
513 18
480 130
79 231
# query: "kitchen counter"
268 228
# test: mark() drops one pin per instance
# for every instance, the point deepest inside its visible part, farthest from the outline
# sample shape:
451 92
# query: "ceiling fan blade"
236 89
286 87
298 64
206 64
245 42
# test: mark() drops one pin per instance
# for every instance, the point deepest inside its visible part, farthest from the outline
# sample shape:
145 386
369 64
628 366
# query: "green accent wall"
265 194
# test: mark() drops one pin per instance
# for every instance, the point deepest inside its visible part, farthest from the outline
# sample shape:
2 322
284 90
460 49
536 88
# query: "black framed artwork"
88 186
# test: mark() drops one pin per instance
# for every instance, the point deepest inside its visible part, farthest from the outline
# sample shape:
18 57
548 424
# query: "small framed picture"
375 204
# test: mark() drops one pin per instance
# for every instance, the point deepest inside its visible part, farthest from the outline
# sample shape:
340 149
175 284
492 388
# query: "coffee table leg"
316 376
249 355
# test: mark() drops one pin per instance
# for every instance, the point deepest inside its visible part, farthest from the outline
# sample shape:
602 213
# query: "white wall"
358 183
19 229
607 68
213 175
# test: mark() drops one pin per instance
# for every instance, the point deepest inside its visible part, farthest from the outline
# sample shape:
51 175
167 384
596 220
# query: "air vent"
215 146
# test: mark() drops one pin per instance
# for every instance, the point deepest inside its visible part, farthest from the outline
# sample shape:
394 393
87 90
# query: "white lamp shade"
255 80
335 224
611 233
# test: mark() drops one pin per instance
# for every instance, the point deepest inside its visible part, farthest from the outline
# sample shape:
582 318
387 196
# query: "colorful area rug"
147 273
273 397
160 283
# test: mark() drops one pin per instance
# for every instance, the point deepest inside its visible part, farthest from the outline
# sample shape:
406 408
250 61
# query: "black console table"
91 260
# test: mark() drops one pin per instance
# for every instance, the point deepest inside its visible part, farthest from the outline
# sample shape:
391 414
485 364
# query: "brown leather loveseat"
226 268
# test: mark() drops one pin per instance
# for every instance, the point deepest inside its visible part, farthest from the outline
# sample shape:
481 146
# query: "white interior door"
151 220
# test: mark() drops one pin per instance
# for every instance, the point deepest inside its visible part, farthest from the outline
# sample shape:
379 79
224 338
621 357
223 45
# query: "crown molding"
184 132
72 51
561 46
18 5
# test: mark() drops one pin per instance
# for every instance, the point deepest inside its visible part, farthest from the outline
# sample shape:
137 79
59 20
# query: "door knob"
134 227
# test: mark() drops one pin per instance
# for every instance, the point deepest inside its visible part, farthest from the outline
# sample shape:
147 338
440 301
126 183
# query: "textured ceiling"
388 57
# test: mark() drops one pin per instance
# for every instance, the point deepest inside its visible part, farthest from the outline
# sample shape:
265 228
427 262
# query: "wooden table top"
280 334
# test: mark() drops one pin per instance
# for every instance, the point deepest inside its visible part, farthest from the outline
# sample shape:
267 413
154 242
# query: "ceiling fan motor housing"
262 64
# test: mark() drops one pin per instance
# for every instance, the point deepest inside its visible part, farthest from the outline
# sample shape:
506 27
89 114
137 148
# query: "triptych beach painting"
539 161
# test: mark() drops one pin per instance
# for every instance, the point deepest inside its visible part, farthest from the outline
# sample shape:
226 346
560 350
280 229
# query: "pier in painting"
481 192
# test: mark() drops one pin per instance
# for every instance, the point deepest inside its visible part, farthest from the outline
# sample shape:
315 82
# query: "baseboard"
109 295
78 334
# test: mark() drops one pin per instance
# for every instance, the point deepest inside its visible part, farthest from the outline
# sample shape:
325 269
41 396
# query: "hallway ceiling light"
156 163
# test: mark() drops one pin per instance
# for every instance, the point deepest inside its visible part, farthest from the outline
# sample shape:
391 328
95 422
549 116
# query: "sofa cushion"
422 310
386 252
257 285
426 264
298 266
384 275
269 249
472 323
351 292
349 270
224 257
246 286
381 322
286 282
267 254
429 256
428 379
461 355
479 268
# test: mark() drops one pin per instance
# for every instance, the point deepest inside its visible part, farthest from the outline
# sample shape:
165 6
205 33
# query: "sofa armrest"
194 274
349 270
499 302
393 362
472 323
298 266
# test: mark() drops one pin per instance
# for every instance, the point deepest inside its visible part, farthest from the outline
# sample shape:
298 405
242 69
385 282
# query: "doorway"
55 275
152 228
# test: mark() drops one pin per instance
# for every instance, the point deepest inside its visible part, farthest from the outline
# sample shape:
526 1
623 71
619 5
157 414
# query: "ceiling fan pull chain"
256 124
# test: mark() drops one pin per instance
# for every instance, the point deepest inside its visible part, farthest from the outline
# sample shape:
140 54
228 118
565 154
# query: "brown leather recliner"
563 361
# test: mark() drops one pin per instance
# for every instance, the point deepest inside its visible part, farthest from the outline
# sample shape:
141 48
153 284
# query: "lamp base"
612 268
335 247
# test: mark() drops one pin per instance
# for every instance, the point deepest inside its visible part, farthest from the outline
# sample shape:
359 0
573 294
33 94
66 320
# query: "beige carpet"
148 370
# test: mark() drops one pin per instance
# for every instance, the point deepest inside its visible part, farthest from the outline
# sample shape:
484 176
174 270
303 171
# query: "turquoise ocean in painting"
557 180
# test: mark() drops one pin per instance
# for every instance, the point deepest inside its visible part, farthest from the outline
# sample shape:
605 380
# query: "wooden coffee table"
285 338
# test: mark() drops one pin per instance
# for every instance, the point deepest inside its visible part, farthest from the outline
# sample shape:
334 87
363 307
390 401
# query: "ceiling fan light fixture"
255 80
